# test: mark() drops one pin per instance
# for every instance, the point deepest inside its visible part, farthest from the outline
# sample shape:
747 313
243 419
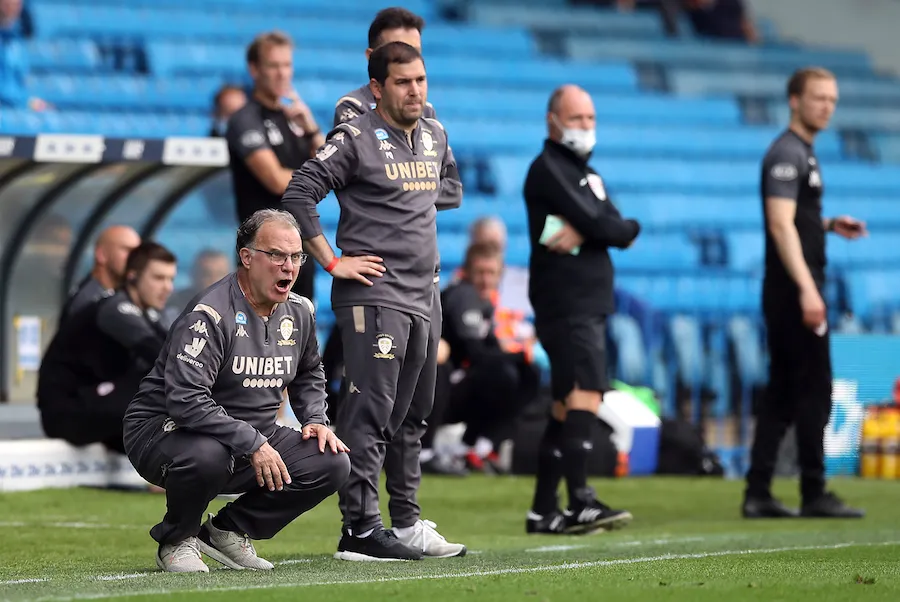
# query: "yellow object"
890 444
870 447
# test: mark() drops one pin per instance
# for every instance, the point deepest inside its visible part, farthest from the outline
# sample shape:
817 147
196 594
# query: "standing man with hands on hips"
572 224
388 168
800 379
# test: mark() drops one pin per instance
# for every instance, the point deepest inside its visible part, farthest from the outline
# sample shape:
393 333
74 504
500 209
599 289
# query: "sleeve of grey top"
333 168
307 391
125 323
191 370
781 177
347 108
246 133
451 193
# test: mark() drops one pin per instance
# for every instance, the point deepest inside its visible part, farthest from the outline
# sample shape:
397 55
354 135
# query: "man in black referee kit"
203 421
571 223
388 168
799 390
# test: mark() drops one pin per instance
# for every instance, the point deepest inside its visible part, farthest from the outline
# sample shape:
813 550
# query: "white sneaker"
234 550
424 536
183 557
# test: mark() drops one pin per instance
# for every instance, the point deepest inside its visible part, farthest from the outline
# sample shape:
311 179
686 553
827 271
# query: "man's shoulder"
786 147
118 303
303 305
217 305
360 100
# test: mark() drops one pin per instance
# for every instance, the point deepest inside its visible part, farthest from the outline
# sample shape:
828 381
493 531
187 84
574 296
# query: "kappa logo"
339 137
241 331
428 143
195 347
385 344
386 146
326 151
286 328
199 327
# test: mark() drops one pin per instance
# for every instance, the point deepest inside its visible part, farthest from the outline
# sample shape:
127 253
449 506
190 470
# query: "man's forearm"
787 241
319 249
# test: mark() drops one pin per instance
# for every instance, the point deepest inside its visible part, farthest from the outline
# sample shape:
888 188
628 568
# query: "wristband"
332 264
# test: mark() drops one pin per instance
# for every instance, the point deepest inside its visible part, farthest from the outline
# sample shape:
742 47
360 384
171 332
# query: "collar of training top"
554 146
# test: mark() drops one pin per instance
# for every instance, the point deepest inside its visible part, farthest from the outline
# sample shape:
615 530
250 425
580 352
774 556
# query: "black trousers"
195 468
799 393
384 353
91 414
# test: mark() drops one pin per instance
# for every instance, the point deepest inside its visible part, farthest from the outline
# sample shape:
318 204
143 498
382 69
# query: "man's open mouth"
284 285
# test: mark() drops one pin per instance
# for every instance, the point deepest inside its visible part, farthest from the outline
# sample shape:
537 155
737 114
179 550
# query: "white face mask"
581 142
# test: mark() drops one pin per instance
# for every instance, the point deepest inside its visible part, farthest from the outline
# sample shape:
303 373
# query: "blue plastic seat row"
850 117
422 7
708 294
167 59
558 19
694 82
715 54
740 178
147 20
73 55
873 291
118 125
888 145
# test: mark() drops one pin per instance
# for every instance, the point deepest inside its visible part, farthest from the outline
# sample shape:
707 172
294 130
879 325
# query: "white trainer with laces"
424 536
234 550
183 557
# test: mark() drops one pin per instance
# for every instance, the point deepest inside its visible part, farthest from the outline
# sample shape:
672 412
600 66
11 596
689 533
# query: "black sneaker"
381 546
766 507
553 523
828 505
587 514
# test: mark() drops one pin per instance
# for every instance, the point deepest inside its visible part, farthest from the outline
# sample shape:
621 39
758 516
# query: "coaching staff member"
387 168
402 457
799 390
203 421
271 136
98 357
571 290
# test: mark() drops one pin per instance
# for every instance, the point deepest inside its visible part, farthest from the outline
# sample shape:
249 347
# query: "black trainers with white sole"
588 514
381 546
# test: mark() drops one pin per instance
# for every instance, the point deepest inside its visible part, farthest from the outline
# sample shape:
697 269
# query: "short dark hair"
269 38
482 250
247 231
393 18
797 83
225 89
399 53
143 254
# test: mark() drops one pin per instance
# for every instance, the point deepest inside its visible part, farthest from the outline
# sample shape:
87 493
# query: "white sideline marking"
18 581
556 548
121 576
465 575
69 525
294 561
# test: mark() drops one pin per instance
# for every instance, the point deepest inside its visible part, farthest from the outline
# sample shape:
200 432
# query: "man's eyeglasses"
278 257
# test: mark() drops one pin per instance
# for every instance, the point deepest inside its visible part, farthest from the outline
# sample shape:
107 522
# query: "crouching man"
203 420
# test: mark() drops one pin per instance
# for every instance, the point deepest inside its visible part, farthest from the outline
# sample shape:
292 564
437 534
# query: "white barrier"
30 464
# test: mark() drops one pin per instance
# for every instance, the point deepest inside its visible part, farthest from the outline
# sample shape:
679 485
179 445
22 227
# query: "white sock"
364 534
404 531
483 447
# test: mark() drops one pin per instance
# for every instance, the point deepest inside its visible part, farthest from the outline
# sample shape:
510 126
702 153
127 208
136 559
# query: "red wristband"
332 264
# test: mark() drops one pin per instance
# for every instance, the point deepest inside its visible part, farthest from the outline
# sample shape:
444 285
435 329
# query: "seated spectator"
108 274
228 101
14 58
721 19
210 266
490 384
96 361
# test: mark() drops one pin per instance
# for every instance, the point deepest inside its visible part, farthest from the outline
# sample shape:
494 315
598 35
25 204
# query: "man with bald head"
572 223
110 256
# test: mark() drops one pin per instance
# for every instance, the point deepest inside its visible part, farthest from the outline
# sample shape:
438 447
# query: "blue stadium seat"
713 54
693 82
549 18
873 292
850 116
70 55
888 145
657 251
671 211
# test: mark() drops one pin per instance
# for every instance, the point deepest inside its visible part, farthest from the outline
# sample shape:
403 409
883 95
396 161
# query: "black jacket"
561 183
101 343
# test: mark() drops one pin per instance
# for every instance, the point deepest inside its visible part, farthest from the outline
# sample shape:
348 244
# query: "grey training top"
223 370
387 184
